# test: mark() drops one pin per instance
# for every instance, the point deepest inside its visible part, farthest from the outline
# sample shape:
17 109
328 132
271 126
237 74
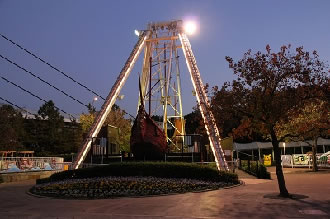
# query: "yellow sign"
268 160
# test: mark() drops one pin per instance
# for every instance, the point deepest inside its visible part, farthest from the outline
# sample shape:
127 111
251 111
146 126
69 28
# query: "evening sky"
91 40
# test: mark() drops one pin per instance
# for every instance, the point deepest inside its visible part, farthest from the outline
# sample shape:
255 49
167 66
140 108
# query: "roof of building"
265 145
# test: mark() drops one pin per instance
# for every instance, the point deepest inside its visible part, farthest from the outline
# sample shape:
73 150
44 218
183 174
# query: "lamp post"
94 99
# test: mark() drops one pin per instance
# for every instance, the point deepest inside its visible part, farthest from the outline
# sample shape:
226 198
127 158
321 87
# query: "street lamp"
92 105
94 99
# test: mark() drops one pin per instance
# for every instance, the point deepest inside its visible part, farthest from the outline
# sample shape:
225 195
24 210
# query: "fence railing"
255 168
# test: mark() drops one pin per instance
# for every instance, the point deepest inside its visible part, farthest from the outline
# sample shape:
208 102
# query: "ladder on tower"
110 100
204 105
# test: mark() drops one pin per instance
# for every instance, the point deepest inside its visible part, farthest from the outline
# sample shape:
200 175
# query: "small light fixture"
120 97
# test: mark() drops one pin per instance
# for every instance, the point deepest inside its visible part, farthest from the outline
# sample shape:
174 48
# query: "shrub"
155 169
109 187
256 168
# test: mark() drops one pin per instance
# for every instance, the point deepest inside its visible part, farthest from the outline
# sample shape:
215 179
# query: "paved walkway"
256 199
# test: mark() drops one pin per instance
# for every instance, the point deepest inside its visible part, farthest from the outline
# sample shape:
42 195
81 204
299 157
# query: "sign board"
286 160
300 159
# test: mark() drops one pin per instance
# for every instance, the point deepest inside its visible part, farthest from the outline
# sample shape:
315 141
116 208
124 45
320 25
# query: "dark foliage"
269 86
11 128
256 168
155 169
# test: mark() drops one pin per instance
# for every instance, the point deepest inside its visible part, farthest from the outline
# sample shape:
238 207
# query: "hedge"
155 169
256 168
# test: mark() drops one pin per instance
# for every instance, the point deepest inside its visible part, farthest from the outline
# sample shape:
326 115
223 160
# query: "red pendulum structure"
160 87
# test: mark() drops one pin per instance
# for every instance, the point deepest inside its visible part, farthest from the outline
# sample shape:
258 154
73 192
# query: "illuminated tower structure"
160 84
160 80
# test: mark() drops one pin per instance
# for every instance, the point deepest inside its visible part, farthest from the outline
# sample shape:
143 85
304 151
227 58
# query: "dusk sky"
91 40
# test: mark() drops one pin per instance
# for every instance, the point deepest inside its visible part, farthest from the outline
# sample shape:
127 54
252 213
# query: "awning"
268 145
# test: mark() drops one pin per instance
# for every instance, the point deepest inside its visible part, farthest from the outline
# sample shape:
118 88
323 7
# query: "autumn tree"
115 118
86 121
230 122
307 123
270 85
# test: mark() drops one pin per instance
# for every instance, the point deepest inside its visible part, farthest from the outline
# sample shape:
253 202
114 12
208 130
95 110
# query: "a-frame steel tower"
160 44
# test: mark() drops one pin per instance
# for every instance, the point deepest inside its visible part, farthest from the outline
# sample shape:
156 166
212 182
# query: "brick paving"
255 199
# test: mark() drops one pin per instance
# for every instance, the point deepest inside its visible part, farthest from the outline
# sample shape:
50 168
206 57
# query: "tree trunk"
314 149
279 171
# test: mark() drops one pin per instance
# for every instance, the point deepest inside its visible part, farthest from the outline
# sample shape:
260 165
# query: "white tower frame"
161 59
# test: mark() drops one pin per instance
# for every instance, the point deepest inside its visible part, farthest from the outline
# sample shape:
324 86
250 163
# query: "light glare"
190 27
137 33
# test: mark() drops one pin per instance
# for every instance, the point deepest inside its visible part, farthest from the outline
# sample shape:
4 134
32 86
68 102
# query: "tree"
50 128
194 124
11 128
115 118
308 123
269 86
72 137
86 121
230 122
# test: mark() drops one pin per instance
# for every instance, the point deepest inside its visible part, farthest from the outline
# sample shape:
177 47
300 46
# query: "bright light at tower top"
189 27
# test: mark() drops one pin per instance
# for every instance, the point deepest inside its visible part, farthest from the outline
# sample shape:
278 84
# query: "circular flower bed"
110 187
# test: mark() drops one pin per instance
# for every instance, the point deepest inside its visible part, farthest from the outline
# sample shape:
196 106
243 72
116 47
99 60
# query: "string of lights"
21 108
34 95
42 80
51 66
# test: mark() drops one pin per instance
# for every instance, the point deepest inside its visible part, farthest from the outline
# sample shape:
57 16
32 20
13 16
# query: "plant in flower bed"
133 179
109 187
